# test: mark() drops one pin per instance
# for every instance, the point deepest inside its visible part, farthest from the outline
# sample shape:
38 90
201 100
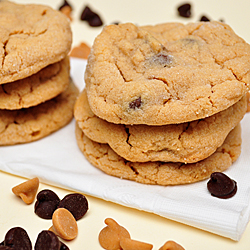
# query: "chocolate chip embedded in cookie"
186 142
32 37
30 124
40 87
167 73
104 158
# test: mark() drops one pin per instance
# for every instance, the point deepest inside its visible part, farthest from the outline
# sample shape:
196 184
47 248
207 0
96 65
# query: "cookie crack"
128 135
120 71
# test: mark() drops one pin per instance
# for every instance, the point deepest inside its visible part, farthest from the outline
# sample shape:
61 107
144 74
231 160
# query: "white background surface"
141 225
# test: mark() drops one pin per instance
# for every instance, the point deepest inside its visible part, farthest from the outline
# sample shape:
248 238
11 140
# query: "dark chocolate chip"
46 204
47 240
63 246
76 203
204 19
17 238
65 3
221 186
184 10
2 243
91 17
5 248
163 60
136 103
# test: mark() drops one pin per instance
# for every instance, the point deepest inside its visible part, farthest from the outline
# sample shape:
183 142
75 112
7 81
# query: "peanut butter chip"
64 224
128 244
66 10
27 190
110 236
80 51
171 245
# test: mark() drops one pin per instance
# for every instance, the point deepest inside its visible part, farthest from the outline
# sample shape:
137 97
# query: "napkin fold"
57 160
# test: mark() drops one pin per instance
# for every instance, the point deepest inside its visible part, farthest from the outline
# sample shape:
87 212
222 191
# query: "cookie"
104 158
40 87
165 74
26 125
186 142
32 37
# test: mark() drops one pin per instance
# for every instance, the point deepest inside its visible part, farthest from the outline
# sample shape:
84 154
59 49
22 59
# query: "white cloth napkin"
57 160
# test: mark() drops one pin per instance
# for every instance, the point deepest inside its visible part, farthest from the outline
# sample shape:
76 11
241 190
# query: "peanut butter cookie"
30 124
186 142
165 74
160 173
32 37
33 90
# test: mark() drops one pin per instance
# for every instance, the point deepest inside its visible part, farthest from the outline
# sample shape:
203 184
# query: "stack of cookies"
36 94
163 104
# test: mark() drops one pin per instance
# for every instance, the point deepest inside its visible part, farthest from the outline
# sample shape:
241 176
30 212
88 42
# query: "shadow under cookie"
160 173
30 124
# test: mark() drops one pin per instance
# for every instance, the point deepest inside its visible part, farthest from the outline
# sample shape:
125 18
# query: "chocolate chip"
65 3
46 204
204 19
17 238
136 103
5 248
163 60
47 240
76 203
221 186
63 246
91 17
184 10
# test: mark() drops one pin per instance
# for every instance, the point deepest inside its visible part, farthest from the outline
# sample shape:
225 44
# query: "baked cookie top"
165 74
30 124
32 37
186 142
160 173
33 90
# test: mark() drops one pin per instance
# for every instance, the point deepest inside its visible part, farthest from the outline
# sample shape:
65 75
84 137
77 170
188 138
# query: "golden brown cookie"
40 87
32 37
165 74
104 158
186 142
26 125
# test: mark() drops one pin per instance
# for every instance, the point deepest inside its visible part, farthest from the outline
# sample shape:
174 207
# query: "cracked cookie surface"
159 173
40 87
32 37
30 124
186 142
167 73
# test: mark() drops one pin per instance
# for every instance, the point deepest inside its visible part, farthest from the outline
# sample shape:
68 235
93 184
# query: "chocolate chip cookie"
166 74
186 142
160 173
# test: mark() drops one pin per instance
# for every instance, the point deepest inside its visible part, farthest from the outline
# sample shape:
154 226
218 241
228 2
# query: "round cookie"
26 125
33 90
32 37
186 142
165 74
104 158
